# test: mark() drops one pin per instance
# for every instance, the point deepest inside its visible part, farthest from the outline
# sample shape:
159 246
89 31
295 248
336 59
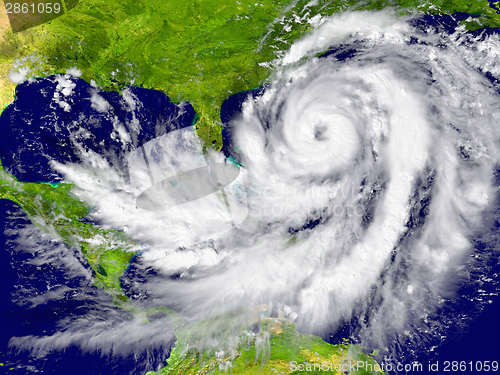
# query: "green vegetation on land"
270 351
55 210
199 51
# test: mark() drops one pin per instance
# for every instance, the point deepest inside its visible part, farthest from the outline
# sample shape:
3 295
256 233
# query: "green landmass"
277 348
54 209
199 51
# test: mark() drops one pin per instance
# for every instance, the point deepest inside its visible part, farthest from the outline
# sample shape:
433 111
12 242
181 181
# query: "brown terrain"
6 87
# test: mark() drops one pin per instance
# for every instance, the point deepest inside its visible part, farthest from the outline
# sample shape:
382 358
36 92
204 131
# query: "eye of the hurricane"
319 139
320 132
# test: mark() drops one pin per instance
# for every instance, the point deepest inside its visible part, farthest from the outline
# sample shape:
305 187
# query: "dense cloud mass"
368 180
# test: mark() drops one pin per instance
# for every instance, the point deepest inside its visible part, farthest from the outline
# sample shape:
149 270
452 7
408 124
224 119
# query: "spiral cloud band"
403 132
369 179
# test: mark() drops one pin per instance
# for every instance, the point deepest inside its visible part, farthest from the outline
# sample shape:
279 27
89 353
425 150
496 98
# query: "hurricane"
368 161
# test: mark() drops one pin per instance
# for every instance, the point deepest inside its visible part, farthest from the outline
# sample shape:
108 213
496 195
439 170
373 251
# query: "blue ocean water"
36 130
19 277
